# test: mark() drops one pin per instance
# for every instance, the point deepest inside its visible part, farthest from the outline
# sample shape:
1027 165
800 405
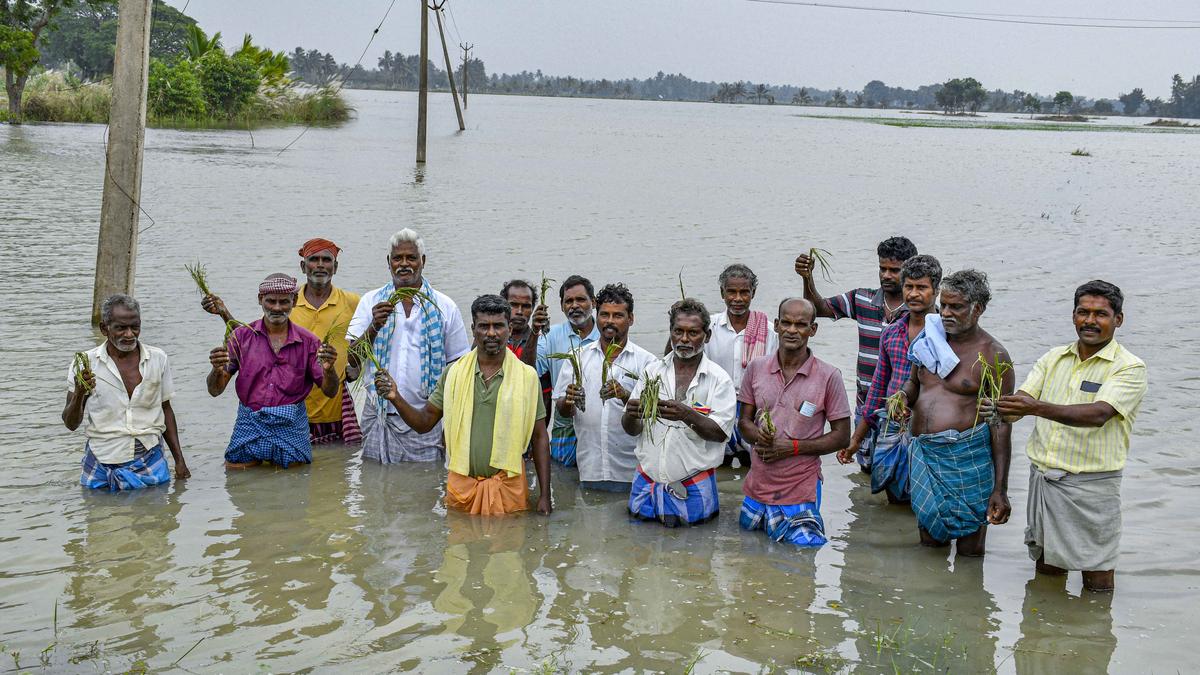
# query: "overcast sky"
741 40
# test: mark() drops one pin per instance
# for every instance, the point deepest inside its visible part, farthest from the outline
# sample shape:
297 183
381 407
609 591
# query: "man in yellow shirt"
1085 397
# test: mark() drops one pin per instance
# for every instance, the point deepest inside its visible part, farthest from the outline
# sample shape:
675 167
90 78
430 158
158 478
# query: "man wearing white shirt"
676 481
604 452
414 340
739 335
123 393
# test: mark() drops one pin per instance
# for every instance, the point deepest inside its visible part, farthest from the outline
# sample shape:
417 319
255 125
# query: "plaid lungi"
563 441
889 460
147 468
345 430
951 478
651 501
276 434
799 524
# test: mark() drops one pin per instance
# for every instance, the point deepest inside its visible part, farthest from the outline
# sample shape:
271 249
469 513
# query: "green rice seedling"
897 409
334 331
363 351
682 293
199 275
230 337
991 385
820 258
610 353
545 296
766 422
572 357
649 403
405 293
81 365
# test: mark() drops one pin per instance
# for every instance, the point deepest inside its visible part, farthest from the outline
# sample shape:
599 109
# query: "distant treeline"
400 71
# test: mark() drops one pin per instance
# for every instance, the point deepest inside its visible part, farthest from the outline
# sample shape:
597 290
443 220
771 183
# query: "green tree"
174 90
801 97
1102 107
959 94
24 22
198 43
1031 104
228 83
1063 101
85 35
762 93
839 98
1133 101
272 66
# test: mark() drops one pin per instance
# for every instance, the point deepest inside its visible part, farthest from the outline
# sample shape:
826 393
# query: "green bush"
228 83
174 90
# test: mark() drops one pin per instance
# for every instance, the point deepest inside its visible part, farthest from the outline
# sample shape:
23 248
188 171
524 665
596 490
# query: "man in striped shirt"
874 309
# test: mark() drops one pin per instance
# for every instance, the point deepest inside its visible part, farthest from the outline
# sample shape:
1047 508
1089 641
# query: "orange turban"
316 245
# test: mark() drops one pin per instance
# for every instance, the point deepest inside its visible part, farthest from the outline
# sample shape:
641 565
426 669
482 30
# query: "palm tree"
762 93
198 44
859 100
801 97
738 91
839 98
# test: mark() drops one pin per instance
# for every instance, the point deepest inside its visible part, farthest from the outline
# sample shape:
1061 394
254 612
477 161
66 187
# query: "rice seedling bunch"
649 403
364 352
766 422
545 296
199 275
230 338
610 353
81 365
682 293
404 293
334 331
991 384
897 409
572 357
820 258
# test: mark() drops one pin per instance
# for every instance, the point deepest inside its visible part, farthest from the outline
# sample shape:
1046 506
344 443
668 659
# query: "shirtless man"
959 473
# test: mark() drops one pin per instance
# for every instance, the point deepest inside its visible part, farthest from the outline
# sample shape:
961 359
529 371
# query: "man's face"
688 336
795 325
577 305
319 268
123 329
889 274
1095 321
491 333
958 315
614 320
737 295
521 300
919 295
276 308
406 264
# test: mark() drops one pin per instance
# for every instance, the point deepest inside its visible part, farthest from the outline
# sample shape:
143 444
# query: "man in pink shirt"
802 393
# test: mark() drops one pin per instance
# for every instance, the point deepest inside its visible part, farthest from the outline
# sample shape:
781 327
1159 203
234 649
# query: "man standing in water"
920 277
578 299
527 322
125 404
873 309
413 340
605 452
739 335
492 404
676 479
1085 397
801 393
959 472
276 363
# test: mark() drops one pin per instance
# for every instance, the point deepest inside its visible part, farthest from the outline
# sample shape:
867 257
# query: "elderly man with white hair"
413 334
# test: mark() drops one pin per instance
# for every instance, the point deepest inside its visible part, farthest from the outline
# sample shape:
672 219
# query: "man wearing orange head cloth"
320 308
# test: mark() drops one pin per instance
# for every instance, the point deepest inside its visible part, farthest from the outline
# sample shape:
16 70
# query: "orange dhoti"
493 496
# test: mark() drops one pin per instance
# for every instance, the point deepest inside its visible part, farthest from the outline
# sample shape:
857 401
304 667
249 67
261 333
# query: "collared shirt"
892 370
1113 375
799 407
338 309
671 451
727 345
866 307
483 417
407 347
266 378
604 450
559 340
112 419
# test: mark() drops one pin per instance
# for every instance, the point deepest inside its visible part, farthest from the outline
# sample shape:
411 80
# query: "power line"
998 18
454 21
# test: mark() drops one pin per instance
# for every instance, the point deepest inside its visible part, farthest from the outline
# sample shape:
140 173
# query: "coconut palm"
801 97
198 43
839 98
762 93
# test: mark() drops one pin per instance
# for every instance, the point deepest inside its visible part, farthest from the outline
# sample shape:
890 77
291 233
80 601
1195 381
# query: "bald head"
794 326
796 304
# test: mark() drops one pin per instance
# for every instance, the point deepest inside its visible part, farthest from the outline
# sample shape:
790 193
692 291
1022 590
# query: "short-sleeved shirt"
892 370
337 310
866 307
266 378
727 345
112 419
483 417
799 409
1113 375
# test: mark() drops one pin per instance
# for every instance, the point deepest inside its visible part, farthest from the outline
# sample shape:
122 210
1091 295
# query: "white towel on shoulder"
931 350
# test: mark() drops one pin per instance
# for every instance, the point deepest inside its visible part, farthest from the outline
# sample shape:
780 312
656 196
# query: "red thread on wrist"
795 447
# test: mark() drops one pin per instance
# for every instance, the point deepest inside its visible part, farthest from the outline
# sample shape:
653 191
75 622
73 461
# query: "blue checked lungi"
277 434
951 478
563 441
799 524
147 468
863 454
889 459
735 438
651 501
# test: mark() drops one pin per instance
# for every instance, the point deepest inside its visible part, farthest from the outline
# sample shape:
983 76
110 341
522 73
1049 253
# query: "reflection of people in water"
1062 633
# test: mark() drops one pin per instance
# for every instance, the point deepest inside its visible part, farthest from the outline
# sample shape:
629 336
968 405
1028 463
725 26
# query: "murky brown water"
349 566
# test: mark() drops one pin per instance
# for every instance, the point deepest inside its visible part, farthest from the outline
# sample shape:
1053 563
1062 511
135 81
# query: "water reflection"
1061 633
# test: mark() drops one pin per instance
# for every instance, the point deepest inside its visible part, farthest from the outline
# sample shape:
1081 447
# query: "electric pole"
423 83
437 12
466 49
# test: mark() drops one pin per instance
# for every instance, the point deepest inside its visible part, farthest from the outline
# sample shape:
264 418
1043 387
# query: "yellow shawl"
516 410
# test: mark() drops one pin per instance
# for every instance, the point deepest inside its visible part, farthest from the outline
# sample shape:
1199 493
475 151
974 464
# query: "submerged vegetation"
1080 152
996 124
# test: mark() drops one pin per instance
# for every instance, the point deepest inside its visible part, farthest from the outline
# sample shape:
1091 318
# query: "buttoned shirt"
1113 375
604 451
671 451
561 339
727 345
267 378
892 370
866 307
113 419
337 310
800 408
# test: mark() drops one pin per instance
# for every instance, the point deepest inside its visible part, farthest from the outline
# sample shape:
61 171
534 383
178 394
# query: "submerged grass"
1004 126
1080 152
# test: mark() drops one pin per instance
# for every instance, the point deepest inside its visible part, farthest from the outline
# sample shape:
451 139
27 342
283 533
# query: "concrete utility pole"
466 62
116 252
423 86
449 68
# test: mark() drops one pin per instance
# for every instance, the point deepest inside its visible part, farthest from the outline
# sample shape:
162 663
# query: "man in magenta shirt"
802 393
277 363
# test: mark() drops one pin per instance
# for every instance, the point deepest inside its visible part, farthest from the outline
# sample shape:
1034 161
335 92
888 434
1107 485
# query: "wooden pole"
466 62
449 69
423 86
116 250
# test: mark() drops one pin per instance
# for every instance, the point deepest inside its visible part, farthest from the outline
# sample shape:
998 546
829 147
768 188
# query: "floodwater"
350 565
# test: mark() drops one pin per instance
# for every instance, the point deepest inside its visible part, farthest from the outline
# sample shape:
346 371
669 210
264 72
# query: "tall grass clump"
56 96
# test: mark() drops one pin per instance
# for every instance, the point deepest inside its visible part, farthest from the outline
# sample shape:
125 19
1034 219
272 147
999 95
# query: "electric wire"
997 18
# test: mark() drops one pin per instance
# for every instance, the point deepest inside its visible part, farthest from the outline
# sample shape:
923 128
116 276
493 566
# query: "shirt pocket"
149 391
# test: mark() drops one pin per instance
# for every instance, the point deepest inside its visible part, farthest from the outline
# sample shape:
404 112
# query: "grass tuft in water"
1080 152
